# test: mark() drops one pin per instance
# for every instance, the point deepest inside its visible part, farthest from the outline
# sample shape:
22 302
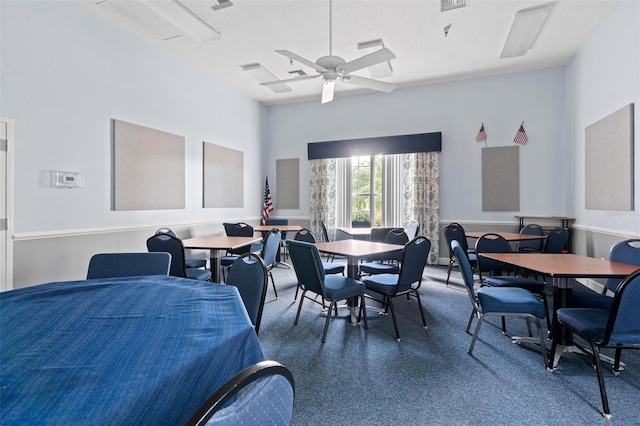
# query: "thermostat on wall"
68 179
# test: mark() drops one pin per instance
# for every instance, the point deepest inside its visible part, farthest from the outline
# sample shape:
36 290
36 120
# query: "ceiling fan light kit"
525 29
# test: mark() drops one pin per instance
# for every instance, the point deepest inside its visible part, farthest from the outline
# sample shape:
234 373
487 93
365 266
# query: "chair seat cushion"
382 283
195 263
592 322
510 300
530 284
591 299
374 268
340 287
333 268
198 274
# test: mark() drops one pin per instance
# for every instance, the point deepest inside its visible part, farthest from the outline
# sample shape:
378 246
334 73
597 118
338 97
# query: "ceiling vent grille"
452 4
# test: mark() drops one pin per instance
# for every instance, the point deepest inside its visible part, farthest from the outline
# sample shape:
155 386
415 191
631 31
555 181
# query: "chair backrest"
492 243
276 223
172 245
395 236
412 263
379 234
307 265
269 393
531 245
556 240
113 265
271 247
412 229
361 223
166 231
465 269
453 232
623 325
249 274
627 251
325 234
239 229
305 235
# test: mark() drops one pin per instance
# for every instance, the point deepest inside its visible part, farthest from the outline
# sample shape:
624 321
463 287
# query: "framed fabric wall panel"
288 183
148 168
223 176
609 162
501 179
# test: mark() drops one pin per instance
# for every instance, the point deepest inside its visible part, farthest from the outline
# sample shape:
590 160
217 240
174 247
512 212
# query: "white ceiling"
413 29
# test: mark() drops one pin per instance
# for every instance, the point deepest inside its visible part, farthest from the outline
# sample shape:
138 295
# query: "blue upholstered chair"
270 253
332 288
264 395
617 327
283 235
494 243
529 246
556 240
406 282
361 223
499 301
387 263
239 229
169 244
329 267
249 274
114 265
454 232
188 262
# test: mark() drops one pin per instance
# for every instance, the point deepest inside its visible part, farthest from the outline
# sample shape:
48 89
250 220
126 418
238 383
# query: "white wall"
65 74
602 78
456 109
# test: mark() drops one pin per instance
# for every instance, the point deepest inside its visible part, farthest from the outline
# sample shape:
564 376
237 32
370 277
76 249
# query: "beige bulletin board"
148 168
609 162
501 179
223 176
288 183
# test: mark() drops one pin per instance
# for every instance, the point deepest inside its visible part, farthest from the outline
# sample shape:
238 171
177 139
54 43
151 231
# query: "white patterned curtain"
422 196
323 196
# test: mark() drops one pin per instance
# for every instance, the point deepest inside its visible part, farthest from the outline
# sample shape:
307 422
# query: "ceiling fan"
334 68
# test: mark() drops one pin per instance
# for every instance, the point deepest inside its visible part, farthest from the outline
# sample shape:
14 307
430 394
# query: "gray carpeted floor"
365 377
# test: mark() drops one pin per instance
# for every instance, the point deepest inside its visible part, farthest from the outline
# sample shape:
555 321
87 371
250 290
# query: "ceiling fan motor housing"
332 65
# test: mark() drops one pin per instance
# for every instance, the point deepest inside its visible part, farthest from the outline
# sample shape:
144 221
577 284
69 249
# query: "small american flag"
267 203
521 137
482 135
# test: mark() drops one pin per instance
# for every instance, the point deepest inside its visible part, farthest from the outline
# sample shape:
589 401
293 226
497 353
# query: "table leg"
353 272
214 265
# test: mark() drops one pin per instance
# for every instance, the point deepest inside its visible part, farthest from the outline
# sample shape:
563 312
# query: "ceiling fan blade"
366 61
369 83
328 87
294 57
289 80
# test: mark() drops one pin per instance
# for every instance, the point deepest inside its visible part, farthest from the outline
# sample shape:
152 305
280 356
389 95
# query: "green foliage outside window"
362 198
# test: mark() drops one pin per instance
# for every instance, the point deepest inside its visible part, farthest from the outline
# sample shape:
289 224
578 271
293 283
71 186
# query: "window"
366 189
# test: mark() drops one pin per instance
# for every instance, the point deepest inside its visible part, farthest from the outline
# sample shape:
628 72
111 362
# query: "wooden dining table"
217 246
354 250
563 268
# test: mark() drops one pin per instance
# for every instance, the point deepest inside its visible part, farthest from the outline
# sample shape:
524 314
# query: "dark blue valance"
384 145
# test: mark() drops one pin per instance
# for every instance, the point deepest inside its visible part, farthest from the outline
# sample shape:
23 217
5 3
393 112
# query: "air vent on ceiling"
221 4
452 4
300 73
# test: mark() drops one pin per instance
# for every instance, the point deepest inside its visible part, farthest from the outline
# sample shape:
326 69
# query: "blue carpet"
365 377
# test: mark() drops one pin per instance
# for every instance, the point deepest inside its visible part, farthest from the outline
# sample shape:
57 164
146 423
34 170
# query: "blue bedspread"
142 350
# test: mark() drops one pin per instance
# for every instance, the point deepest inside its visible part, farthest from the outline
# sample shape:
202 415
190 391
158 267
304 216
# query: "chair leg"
273 284
473 313
363 312
299 308
543 296
424 321
603 391
326 322
616 362
475 334
393 315
449 271
543 348
296 296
